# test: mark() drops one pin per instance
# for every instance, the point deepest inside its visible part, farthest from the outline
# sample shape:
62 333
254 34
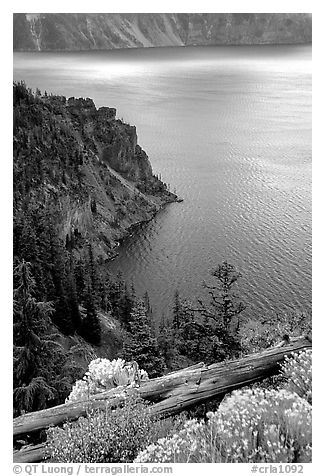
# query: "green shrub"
106 436
250 426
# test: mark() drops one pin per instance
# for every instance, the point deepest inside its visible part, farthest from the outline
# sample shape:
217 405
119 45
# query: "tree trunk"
170 394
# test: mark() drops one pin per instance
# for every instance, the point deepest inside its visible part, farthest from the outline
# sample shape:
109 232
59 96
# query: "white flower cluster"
249 426
174 448
104 374
265 424
297 370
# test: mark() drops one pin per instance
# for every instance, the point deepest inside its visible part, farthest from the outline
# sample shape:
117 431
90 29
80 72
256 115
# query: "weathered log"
30 454
41 419
171 393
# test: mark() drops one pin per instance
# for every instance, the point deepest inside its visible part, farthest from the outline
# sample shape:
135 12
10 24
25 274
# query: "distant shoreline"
157 47
106 31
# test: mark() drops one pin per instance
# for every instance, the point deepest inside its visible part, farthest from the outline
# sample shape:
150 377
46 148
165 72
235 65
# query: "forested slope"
81 182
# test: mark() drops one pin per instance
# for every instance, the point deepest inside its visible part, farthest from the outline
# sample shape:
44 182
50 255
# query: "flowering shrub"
297 371
182 447
104 374
249 426
105 437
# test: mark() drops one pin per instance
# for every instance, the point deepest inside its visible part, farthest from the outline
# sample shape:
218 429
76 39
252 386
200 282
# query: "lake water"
230 129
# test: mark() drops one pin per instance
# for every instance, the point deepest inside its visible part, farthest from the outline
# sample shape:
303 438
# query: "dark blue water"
230 129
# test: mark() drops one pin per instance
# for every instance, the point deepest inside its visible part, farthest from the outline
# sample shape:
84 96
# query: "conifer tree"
80 279
90 327
121 301
62 311
92 271
31 319
141 344
177 311
222 311
73 301
147 304
224 304
125 307
167 343
43 372
103 294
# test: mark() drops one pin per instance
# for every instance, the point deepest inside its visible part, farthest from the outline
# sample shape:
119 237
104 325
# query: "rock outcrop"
102 31
88 165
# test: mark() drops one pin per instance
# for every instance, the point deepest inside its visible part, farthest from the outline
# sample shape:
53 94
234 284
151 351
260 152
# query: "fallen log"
30 454
170 394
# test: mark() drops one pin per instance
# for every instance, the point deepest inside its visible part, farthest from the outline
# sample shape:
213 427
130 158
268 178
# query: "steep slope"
81 183
88 165
249 28
86 31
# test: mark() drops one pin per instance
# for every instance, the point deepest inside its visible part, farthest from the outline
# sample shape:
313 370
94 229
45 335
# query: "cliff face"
81 182
87 31
85 164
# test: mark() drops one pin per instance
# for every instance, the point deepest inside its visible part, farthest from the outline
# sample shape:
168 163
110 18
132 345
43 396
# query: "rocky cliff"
87 31
85 164
81 183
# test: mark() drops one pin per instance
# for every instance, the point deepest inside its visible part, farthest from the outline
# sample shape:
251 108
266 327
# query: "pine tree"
73 300
62 313
121 300
92 271
224 301
167 344
90 327
31 319
103 294
177 311
223 309
189 332
43 372
80 279
141 344
147 304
